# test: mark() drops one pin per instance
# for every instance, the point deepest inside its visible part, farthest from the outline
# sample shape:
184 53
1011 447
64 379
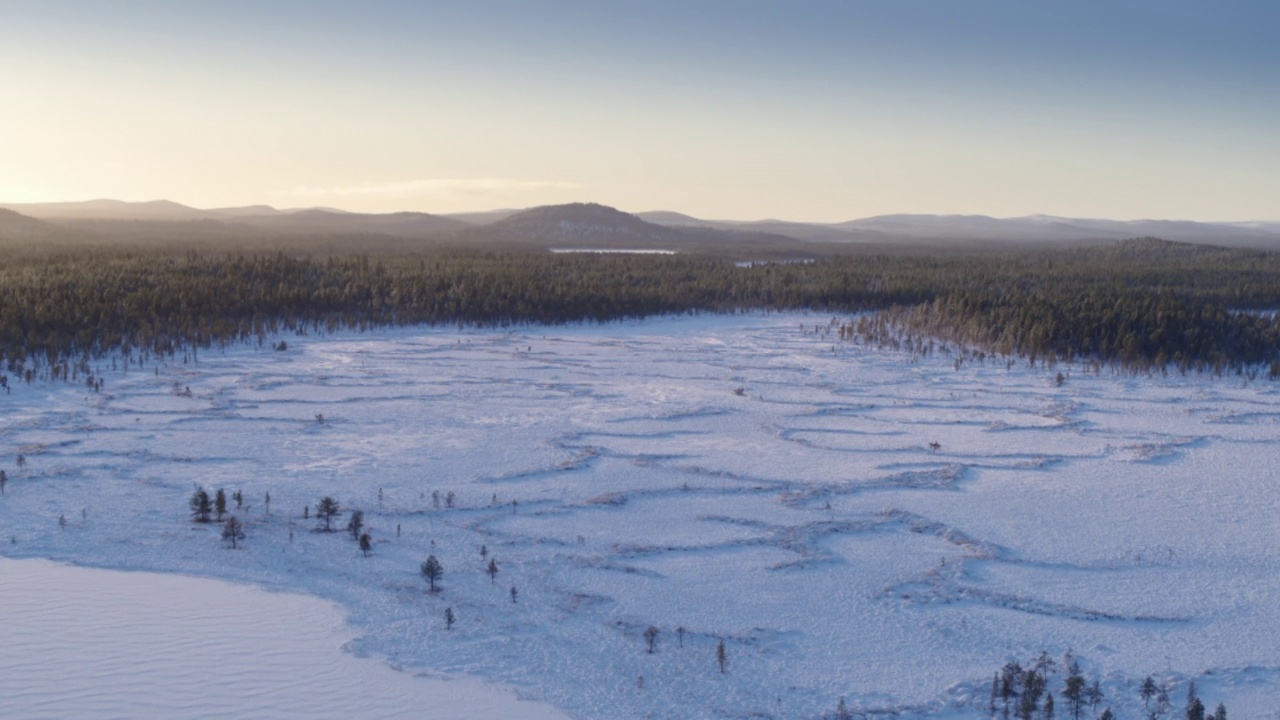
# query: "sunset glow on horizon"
816 111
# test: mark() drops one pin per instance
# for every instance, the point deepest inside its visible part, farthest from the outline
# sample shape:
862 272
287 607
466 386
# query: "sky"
814 110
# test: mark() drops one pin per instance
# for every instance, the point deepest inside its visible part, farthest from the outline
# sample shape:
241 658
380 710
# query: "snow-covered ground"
622 483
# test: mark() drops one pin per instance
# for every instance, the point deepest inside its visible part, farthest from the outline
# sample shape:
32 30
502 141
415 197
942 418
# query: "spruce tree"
1148 691
432 571
1073 693
722 657
220 503
449 619
327 508
201 507
355 524
1094 694
493 571
233 531
366 544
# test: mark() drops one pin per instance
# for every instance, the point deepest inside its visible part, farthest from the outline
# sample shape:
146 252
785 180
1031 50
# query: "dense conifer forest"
1141 304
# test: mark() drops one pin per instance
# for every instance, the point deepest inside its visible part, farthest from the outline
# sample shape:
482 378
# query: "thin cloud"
435 186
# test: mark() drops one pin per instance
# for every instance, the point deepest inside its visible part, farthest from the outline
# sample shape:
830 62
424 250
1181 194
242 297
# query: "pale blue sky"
817 110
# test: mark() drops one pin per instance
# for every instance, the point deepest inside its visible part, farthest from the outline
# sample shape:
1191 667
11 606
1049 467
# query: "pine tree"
1094 695
366 544
1195 710
4 478
651 637
514 592
449 619
355 524
1048 706
233 531
201 507
1148 691
327 508
1073 693
220 503
432 571
1163 704
722 657
1106 715
493 571
1220 713
1032 688
842 711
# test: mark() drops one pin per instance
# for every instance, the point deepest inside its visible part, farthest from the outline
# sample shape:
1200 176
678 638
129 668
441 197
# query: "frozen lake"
87 643
849 522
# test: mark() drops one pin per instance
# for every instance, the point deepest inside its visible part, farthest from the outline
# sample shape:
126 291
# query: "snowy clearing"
745 479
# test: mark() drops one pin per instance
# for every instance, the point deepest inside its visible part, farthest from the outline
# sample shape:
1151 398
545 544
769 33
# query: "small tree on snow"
449 619
722 657
4 478
233 531
220 503
651 638
366 544
327 508
432 570
356 523
493 571
1148 690
201 506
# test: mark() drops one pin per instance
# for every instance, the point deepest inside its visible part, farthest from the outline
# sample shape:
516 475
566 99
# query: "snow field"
621 482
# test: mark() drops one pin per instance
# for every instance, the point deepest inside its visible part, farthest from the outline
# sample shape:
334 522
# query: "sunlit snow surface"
621 483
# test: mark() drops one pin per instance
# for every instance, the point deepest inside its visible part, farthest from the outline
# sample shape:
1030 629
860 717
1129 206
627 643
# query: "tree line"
1140 304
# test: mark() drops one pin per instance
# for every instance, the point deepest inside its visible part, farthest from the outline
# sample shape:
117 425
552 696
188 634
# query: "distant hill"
980 230
593 226
329 222
483 218
675 219
578 225
109 210
16 225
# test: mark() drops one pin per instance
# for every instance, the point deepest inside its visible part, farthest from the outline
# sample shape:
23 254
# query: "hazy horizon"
823 111
746 220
